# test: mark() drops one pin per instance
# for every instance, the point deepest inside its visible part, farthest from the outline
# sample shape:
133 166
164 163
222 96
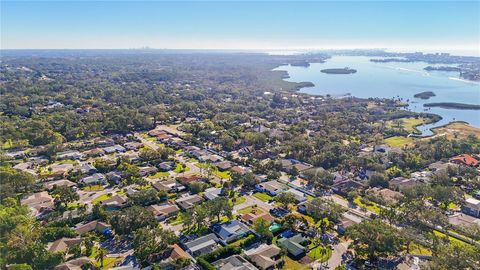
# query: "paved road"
151 144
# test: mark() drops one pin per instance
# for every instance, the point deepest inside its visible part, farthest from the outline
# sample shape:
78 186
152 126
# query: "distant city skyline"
444 26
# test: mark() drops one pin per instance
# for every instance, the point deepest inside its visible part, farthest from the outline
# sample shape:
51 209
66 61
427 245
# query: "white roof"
473 201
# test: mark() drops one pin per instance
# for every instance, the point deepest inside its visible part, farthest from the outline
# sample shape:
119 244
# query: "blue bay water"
392 80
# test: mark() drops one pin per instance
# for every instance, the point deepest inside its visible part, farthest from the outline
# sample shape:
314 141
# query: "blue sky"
424 25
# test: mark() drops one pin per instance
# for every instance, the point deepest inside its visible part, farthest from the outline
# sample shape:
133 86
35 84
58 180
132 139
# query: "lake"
392 80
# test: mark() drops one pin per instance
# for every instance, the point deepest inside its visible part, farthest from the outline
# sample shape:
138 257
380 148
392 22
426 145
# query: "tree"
132 218
218 207
14 181
285 198
89 242
375 239
443 196
319 178
262 228
320 208
455 256
64 195
148 243
146 196
378 180
101 254
131 173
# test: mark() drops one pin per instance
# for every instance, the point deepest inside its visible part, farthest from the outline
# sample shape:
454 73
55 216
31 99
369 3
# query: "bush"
221 253
204 264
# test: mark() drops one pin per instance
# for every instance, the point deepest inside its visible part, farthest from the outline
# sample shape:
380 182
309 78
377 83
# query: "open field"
398 141
409 123
456 130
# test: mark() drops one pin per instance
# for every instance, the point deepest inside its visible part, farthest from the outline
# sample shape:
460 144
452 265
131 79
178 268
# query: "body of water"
392 80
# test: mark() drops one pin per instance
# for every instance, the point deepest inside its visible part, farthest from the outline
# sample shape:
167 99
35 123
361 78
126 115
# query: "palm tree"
101 254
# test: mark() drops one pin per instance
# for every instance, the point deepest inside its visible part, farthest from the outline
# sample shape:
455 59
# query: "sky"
269 25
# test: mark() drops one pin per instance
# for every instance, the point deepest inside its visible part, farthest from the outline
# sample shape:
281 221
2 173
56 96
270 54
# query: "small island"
453 105
424 95
345 70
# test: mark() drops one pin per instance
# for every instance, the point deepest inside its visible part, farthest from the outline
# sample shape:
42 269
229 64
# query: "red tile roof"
465 159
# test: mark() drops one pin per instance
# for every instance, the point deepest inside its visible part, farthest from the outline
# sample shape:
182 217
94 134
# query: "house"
188 201
75 264
346 221
223 165
346 186
461 220
26 167
202 245
234 262
95 225
471 207
114 149
87 168
133 145
58 183
94 179
402 183
299 196
38 202
116 176
71 154
249 218
115 202
264 256
166 166
210 158
464 159
239 170
168 257
272 187
293 245
230 230
386 194
104 141
59 170
189 179
95 152
63 244
381 149
212 193
163 211
147 170
168 186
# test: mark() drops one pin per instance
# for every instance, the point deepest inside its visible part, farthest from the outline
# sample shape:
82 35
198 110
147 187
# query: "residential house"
114 149
464 159
212 193
95 152
38 202
71 154
95 225
104 141
59 183
87 168
293 245
202 245
190 179
147 170
386 194
168 186
299 196
115 202
471 207
166 166
234 262
264 256
189 201
133 145
63 244
27 167
170 255
223 165
346 186
461 219
272 187
94 179
163 211
59 170
230 230
240 170
116 176
249 218
74 264
402 183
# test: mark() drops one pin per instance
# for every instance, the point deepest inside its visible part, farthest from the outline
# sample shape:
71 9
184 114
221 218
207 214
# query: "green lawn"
316 253
176 220
372 207
240 200
294 265
179 168
262 196
250 209
93 188
120 192
398 141
221 175
159 175
100 198
418 249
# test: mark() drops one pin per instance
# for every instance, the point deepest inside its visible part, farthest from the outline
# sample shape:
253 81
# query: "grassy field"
159 175
222 175
316 253
457 129
179 168
238 200
408 123
262 196
372 207
294 265
418 249
100 198
398 141
93 188
250 209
